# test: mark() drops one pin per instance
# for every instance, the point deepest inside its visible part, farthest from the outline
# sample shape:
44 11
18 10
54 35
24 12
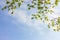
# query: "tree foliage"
44 7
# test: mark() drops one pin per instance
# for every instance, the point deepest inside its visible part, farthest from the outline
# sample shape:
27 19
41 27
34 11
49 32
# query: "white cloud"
22 17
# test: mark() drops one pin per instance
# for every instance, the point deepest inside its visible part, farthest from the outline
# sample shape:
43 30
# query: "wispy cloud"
21 16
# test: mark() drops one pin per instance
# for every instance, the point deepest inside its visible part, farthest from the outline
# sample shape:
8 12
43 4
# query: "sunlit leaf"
54 29
48 25
52 22
14 7
19 4
16 0
56 2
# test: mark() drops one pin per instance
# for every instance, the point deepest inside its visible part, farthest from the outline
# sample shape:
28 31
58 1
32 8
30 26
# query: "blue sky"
19 26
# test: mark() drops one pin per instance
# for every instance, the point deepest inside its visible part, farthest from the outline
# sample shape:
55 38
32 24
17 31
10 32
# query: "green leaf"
16 0
46 18
40 8
32 6
32 18
12 0
56 2
58 20
48 25
19 4
29 8
52 22
28 4
11 12
22 0
14 7
4 7
40 18
8 9
46 7
54 29
47 2
7 2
